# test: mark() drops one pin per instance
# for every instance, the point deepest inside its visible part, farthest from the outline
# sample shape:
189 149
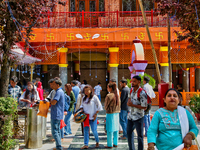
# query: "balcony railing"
113 19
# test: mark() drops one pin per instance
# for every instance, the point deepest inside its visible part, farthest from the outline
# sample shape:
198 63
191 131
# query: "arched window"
133 5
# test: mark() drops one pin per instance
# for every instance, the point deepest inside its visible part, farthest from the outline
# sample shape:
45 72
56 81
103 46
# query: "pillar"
45 75
174 75
76 70
164 63
185 78
114 63
197 78
63 65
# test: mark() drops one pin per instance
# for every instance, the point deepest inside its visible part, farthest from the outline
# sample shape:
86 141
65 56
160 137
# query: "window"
72 6
101 5
133 5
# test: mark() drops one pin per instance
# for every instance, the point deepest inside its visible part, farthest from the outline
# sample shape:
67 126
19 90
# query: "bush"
195 103
8 110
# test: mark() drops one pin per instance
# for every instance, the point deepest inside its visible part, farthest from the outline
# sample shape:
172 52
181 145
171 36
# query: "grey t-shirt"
136 113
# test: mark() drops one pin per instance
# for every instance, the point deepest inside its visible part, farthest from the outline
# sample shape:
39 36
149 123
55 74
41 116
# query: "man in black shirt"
124 108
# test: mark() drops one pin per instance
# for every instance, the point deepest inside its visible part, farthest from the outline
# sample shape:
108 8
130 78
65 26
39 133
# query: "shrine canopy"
23 57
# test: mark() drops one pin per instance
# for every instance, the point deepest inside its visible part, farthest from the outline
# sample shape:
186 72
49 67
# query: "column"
114 63
185 78
174 75
76 70
63 65
197 78
164 63
45 77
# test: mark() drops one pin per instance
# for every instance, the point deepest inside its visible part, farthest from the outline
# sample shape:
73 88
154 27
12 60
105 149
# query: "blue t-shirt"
76 91
57 111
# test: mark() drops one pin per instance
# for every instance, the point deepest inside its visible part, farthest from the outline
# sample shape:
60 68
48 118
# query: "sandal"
85 147
97 145
114 145
108 147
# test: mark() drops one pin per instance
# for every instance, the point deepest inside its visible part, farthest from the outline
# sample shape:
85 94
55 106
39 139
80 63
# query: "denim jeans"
67 122
123 121
93 125
112 138
138 125
99 96
56 133
147 123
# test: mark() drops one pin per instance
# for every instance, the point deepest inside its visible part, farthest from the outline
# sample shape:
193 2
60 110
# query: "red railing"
113 19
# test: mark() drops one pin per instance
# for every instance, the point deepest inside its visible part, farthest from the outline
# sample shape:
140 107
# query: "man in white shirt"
97 90
149 90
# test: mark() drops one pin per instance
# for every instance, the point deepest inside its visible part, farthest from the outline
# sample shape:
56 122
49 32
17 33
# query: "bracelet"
151 148
192 134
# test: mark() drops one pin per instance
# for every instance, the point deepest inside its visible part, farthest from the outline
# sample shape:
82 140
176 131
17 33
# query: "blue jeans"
123 121
112 138
99 96
74 108
147 123
138 125
56 133
67 122
93 125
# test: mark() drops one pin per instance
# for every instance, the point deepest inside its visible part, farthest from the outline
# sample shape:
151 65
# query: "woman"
70 93
91 106
112 107
40 90
29 97
172 126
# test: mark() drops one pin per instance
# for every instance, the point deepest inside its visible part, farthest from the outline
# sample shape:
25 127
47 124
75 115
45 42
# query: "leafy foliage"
17 18
187 13
195 104
8 109
152 81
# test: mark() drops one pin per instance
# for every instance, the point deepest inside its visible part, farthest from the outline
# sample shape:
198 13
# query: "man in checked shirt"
15 92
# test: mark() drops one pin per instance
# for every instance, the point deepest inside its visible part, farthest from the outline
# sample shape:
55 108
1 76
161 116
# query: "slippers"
108 147
84 147
114 145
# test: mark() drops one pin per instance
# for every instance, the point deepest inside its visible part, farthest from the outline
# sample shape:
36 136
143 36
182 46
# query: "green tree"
187 13
17 18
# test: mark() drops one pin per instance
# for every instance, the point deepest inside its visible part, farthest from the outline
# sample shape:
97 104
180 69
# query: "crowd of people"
171 127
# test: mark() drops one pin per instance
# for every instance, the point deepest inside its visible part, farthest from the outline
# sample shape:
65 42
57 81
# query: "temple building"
96 40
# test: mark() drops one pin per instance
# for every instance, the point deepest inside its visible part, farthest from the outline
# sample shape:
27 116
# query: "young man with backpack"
137 105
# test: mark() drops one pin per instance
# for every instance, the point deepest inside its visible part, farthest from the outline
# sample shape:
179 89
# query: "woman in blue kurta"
112 107
172 126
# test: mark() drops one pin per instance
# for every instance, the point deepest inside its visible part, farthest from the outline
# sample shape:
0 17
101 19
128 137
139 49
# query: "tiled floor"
75 141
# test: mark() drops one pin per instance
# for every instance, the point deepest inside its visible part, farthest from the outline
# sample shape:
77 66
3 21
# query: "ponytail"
114 90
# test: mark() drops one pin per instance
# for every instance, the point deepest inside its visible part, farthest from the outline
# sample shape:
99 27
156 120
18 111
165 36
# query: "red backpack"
138 95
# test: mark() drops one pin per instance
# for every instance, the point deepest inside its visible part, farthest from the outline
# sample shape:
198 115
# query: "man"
84 83
15 92
136 115
13 89
149 90
97 90
57 111
53 92
124 108
76 91
114 81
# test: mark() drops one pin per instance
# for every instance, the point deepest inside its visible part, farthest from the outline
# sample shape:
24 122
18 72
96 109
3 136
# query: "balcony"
119 19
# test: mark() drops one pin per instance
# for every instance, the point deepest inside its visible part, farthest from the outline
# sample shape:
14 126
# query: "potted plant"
195 105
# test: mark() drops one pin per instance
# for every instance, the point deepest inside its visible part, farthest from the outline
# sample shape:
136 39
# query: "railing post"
83 18
184 97
117 18
152 17
48 20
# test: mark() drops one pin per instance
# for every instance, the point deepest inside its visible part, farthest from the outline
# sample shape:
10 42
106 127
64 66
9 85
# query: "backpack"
67 102
149 101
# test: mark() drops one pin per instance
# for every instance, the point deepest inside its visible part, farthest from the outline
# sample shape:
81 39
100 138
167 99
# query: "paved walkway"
75 141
